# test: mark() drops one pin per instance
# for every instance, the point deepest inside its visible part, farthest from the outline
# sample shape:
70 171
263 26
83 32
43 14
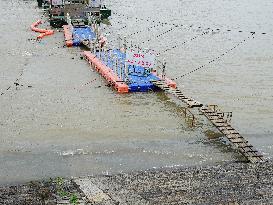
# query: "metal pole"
164 70
99 52
116 66
95 28
111 59
119 41
121 70
157 64
125 71
102 55
106 57
94 47
125 52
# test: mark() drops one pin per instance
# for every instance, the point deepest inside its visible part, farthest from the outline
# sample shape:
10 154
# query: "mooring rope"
147 28
218 57
79 88
141 19
134 33
123 27
150 39
208 30
184 42
189 26
18 78
161 34
150 27
174 25
109 32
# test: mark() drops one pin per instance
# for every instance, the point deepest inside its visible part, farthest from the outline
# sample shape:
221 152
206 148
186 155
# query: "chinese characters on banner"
145 60
56 2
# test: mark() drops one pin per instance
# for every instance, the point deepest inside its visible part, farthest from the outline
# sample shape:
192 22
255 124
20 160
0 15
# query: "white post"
68 19
89 19
125 50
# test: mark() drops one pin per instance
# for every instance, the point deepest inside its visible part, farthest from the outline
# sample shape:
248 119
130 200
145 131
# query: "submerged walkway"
246 149
216 117
176 92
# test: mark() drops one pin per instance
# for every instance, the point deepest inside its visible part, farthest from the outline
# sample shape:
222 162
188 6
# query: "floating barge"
58 10
111 64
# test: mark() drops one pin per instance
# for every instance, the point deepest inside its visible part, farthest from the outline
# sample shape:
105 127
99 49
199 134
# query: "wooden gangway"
178 93
243 146
217 118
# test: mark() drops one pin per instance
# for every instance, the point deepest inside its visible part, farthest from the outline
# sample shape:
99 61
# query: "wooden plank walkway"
244 147
217 119
176 92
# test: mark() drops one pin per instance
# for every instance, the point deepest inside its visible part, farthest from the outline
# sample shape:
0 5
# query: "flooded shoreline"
52 124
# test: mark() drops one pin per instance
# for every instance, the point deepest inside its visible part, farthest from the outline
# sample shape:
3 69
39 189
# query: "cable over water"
189 26
219 57
176 26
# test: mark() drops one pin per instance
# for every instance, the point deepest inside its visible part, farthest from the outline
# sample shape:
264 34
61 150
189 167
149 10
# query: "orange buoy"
43 32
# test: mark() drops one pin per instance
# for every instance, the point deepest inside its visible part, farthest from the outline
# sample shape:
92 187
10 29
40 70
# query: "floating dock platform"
111 64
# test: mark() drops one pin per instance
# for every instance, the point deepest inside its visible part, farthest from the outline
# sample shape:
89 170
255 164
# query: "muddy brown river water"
53 124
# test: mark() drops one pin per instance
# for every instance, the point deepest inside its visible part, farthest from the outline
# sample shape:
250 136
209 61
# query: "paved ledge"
226 184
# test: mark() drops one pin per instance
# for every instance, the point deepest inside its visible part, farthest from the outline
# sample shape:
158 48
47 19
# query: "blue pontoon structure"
136 68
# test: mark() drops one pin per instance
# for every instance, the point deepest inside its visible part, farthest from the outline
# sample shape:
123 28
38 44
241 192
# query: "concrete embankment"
235 183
